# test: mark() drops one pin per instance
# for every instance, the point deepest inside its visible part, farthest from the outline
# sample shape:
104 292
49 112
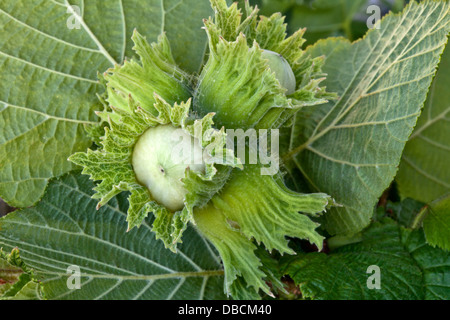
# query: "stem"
340 241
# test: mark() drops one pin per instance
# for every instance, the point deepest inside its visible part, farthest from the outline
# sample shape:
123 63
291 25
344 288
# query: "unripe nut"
282 69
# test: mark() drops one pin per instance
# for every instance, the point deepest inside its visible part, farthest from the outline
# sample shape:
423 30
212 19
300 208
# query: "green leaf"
424 172
64 230
253 97
268 7
409 268
48 78
350 149
21 283
29 291
237 215
324 18
436 223
243 98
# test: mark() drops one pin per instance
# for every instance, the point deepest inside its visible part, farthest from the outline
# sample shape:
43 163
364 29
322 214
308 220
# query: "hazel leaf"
237 215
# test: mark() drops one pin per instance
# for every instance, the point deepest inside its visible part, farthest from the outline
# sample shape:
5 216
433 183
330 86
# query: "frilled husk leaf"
237 82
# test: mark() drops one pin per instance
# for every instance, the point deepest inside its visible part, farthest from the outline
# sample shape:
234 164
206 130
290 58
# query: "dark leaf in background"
325 18
409 268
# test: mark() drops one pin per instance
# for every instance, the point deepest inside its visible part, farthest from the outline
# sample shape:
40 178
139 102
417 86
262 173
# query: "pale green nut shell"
160 158
282 69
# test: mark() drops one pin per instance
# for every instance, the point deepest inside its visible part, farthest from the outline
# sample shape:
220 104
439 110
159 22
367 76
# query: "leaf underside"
48 78
350 149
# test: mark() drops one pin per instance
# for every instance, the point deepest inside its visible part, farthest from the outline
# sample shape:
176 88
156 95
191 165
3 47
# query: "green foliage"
236 98
436 223
65 229
8 276
327 18
238 215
